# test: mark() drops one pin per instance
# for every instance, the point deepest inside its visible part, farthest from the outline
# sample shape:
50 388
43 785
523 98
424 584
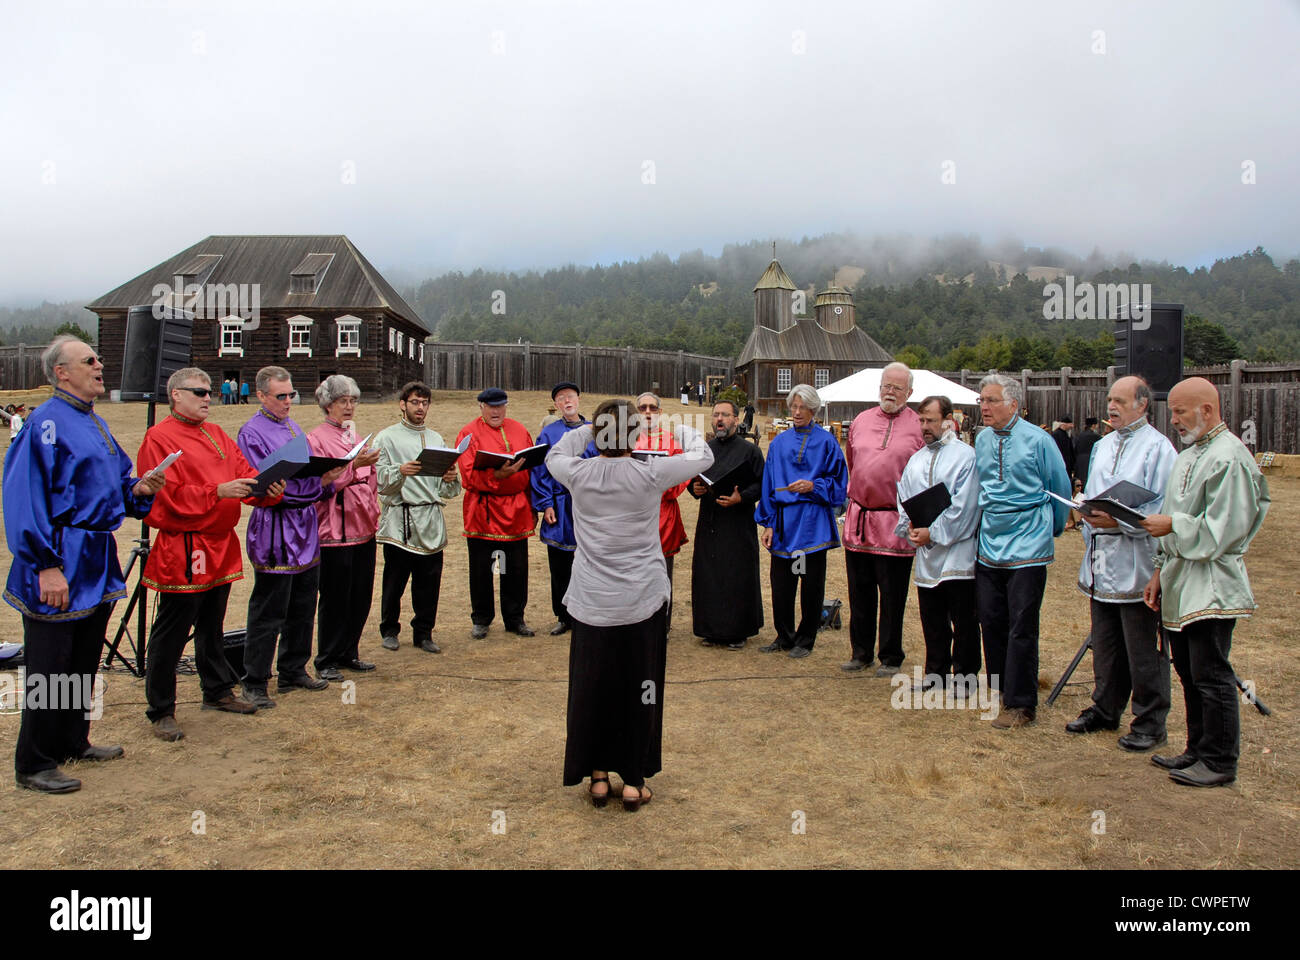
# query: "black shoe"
522 629
302 682
48 781
390 643
1199 775
1180 762
854 665
258 697
478 631
1090 721
327 674
428 646
737 645
101 753
772 647
885 670
1138 742
360 666
798 653
559 629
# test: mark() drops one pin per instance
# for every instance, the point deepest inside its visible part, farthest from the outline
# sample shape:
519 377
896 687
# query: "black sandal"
643 796
599 799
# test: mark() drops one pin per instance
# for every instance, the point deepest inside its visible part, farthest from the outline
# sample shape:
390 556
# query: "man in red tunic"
672 532
498 516
878 563
196 556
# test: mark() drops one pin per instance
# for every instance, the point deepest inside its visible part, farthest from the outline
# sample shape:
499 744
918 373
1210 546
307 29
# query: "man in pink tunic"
878 563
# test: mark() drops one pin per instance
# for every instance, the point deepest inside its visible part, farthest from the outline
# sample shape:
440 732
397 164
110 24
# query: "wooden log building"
311 304
787 348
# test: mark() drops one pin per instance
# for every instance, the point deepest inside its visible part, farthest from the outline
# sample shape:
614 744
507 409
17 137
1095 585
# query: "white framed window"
821 377
349 341
399 343
410 349
299 336
392 339
783 383
232 337
422 352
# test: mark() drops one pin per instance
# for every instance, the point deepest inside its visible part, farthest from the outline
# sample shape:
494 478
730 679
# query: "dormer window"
305 279
299 337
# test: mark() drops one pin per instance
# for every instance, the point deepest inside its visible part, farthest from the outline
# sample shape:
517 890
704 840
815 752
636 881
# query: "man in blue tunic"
804 480
67 487
552 501
1018 465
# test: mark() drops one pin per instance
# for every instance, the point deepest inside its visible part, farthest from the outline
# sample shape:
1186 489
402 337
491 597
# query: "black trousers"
1009 600
177 613
61 658
347 585
869 574
1126 659
424 570
283 607
950 626
1200 652
561 565
513 571
785 581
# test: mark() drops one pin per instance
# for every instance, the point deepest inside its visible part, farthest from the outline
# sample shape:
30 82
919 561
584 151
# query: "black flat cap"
564 385
493 396
1066 418
1090 422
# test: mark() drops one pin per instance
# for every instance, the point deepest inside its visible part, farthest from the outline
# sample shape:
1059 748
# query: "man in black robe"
1083 448
1063 443
725 593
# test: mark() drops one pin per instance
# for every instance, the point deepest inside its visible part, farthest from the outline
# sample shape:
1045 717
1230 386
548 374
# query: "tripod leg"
1069 671
1250 695
135 671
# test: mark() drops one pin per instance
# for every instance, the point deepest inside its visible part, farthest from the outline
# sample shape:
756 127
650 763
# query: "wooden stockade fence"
20 367
1260 401
531 366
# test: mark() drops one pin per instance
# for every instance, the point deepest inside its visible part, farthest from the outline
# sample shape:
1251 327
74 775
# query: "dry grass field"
437 750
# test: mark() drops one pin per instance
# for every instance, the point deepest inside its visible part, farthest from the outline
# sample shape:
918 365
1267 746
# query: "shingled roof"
809 341
347 281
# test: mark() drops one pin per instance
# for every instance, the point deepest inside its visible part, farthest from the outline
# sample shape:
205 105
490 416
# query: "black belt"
406 516
860 528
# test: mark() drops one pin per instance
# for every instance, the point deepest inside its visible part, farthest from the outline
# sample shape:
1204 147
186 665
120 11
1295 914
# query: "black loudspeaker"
234 649
158 343
1151 346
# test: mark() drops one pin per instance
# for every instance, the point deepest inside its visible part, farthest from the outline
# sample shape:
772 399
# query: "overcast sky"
517 135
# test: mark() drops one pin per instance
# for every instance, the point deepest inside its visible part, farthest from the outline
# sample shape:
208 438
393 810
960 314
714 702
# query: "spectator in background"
1061 434
1083 448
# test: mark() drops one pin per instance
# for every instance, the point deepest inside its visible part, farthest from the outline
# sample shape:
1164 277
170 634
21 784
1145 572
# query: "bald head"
1194 408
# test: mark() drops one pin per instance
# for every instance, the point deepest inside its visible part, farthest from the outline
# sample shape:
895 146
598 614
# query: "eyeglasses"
198 391
89 361
990 400
285 396
648 408
416 402
892 388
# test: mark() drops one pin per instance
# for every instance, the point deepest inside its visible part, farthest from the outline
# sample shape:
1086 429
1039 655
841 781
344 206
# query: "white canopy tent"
864 387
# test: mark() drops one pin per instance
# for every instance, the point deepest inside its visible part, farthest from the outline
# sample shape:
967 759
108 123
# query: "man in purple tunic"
284 550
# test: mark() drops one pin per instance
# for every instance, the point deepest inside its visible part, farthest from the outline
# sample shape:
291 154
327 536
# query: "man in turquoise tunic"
1213 507
1018 464
67 487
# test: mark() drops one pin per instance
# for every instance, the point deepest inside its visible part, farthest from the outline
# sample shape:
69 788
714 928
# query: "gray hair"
652 395
1142 393
899 365
53 355
1011 389
810 397
335 387
267 374
180 376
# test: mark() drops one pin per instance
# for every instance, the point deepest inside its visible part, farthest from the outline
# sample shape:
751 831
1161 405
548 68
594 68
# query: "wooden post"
1234 391
21 379
577 364
528 368
1024 388
964 374
627 371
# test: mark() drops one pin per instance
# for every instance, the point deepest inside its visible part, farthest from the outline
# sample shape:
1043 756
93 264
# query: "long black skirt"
616 700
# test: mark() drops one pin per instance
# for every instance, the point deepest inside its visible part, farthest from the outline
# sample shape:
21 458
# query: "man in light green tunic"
411 527
1213 507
